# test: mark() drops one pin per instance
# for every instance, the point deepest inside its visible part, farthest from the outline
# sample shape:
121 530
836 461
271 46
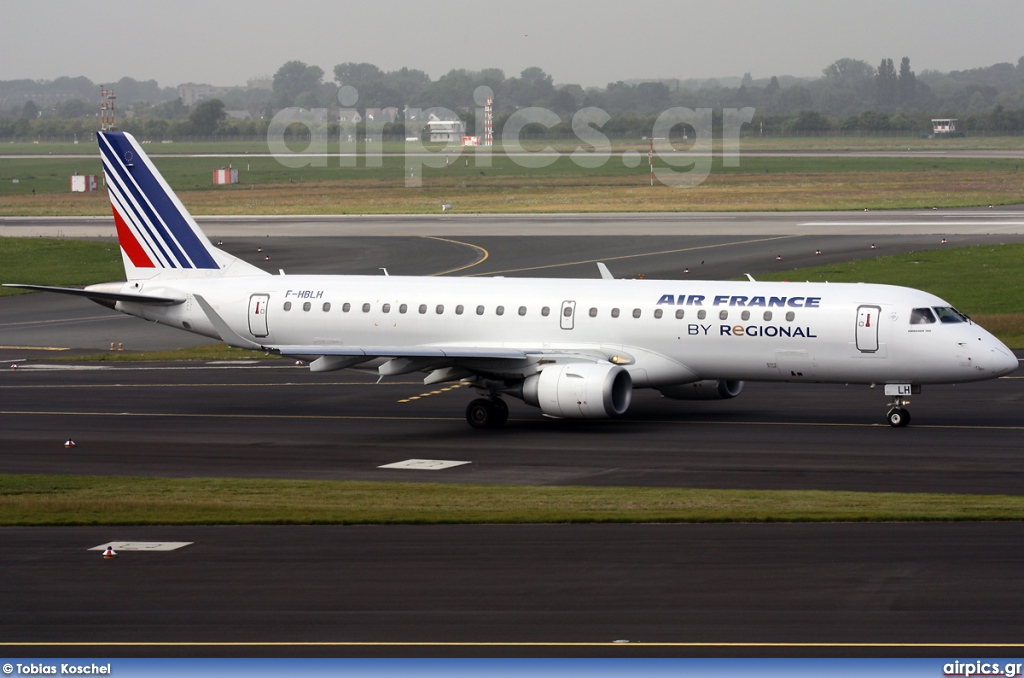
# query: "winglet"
227 335
605 273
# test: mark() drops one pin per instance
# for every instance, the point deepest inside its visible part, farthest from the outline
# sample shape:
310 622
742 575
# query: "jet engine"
709 389
580 390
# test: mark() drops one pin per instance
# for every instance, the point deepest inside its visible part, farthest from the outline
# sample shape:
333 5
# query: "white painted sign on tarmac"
141 545
424 464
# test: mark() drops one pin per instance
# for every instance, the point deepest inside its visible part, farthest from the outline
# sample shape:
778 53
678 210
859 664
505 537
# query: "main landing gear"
487 413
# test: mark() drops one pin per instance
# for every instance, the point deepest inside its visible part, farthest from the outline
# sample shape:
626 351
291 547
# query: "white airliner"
574 348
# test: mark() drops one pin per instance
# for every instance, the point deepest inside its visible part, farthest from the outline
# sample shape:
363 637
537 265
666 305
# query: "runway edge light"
110 553
70 444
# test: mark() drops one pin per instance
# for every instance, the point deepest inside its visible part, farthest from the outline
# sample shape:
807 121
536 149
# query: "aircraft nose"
1003 361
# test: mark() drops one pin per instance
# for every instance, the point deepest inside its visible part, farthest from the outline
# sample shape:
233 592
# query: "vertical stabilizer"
158 237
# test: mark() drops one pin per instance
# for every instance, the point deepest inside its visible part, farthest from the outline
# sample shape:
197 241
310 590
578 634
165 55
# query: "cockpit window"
948 314
921 316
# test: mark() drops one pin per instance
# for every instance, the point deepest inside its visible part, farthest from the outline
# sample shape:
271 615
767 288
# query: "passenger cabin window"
567 311
346 307
701 314
545 311
459 309
790 315
440 309
615 313
745 315
386 308
658 313
500 310
366 308
636 312
948 314
479 310
922 316
403 308
593 313
306 306
327 306
723 315
423 309
287 305
522 310
680 313
767 315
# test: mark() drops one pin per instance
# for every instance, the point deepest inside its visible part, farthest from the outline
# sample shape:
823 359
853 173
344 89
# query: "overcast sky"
226 42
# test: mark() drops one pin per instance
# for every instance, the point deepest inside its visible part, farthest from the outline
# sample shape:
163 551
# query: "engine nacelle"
580 390
709 389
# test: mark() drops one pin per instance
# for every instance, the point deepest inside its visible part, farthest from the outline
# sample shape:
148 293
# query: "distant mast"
489 121
106 109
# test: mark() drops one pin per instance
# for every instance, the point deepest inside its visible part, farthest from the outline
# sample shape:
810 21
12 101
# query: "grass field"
91 500
759 183
57 262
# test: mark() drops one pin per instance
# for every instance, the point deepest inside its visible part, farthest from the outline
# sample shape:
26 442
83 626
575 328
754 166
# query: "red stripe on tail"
130 245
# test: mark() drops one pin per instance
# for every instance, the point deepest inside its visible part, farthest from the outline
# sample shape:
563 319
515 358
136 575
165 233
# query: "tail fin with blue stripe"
159 238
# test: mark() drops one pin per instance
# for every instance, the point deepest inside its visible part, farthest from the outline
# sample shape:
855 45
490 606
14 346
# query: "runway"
499 590
721 590
281 421
1002 220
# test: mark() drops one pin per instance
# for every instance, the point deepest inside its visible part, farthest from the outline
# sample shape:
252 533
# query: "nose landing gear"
898 416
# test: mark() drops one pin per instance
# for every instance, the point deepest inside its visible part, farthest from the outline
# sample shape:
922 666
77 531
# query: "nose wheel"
487 413
898 417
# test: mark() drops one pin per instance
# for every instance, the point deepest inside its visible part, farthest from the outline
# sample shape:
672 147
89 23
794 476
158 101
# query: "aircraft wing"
397 351
439 359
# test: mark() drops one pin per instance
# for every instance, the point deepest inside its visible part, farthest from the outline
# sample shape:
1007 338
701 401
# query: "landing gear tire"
483 413
502 410
898 417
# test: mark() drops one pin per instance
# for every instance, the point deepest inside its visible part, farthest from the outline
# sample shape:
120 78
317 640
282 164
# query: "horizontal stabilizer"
103 296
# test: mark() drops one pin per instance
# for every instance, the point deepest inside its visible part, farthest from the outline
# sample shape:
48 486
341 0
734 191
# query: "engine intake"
709 389
580 390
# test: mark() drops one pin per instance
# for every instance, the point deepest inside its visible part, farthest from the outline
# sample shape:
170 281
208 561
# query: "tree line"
850 96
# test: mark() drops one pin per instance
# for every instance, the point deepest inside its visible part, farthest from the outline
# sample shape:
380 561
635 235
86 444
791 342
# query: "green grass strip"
209 352
982 279
92 500
57 262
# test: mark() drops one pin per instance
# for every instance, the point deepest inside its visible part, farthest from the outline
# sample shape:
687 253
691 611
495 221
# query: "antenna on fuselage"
750 277
385 271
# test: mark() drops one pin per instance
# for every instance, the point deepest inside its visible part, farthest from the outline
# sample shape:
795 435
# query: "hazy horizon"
591 44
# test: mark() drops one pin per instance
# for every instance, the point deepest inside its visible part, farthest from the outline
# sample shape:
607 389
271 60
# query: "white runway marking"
424 464
913 223
142 545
